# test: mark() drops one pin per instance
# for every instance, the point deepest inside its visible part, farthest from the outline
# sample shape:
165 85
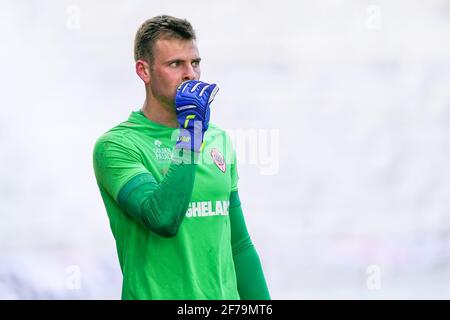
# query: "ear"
143 71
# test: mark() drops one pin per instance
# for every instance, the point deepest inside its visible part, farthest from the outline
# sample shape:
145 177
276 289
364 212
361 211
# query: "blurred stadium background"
357 204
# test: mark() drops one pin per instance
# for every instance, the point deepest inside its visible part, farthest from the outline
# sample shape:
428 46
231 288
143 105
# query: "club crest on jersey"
218 159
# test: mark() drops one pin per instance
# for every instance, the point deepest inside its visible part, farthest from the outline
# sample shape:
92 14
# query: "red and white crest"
218 159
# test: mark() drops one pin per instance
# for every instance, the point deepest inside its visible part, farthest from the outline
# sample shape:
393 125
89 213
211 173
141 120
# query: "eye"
195 63
174 64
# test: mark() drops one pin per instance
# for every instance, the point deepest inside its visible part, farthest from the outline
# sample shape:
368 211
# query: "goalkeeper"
176 217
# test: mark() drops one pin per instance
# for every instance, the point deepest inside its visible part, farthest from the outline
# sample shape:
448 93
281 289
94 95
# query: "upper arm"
233 165
115 163
240 238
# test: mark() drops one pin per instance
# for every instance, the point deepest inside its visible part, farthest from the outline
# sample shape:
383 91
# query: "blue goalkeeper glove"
192 102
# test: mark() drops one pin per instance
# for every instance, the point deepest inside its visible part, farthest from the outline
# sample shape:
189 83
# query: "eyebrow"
180 60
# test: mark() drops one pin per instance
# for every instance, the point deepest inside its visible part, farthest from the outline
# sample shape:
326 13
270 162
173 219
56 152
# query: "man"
168 180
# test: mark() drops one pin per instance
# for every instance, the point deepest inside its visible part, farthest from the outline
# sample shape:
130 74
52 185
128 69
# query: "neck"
159 113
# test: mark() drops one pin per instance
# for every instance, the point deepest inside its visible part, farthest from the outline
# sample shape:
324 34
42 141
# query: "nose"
189 73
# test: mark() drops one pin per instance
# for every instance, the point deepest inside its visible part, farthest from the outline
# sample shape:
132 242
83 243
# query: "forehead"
169 49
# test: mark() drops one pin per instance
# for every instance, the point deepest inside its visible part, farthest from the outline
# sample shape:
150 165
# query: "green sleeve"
160 207
234 172
249 273
116 161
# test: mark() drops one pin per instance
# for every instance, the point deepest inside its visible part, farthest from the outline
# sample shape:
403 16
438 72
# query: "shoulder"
117 138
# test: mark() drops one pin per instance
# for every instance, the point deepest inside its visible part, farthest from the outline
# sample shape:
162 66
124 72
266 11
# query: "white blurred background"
358 92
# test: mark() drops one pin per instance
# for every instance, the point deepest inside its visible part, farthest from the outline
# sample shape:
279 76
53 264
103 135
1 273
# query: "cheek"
170 78
163 80
167 83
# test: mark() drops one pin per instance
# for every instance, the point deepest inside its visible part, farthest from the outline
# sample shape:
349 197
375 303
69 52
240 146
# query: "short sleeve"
116 161
233 166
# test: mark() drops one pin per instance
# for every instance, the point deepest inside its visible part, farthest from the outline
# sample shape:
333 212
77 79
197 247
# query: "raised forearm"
160 207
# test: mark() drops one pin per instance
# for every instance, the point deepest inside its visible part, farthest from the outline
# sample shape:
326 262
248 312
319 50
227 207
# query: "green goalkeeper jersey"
197 263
